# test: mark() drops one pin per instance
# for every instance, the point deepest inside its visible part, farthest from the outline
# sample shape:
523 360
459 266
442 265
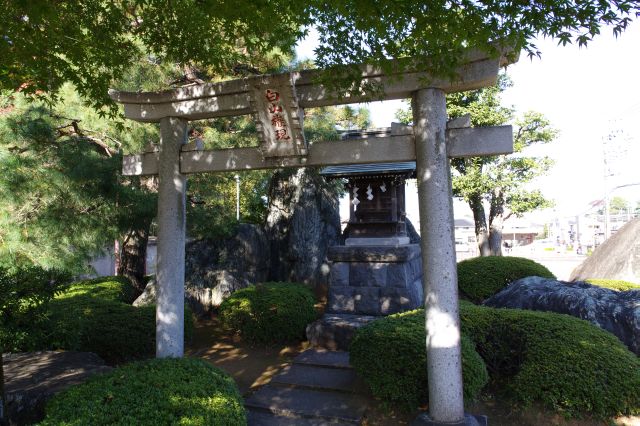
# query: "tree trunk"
496 223
480 221
495 236
133 256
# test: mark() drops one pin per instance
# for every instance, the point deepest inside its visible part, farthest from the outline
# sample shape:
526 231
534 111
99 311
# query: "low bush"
564 362
618 285
117 332
154 392
270 312
482 277
96 316
25 294
117 289
389 354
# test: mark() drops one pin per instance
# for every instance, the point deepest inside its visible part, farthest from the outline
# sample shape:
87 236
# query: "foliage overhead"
499 182
62 195
91 43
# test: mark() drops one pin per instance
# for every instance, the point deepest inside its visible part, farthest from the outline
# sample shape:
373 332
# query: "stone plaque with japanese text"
279 117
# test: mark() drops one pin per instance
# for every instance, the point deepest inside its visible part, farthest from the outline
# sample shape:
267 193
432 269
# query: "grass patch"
618 285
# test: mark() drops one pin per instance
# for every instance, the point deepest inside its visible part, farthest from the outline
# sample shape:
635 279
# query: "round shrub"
155 392
116 288
116 331
269 312
96 316
618 285
390 355
482 277
564 362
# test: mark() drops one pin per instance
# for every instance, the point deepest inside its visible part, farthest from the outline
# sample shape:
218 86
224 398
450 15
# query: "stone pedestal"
366 282
374 280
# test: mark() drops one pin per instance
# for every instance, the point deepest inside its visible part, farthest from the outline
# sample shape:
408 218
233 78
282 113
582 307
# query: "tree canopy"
499 182
91 43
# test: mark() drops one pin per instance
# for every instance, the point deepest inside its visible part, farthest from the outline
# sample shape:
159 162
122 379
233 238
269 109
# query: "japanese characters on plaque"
279 117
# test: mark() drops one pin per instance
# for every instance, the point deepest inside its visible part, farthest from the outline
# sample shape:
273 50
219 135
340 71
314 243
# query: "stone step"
261 418
310 404
324 358
321 378
335 331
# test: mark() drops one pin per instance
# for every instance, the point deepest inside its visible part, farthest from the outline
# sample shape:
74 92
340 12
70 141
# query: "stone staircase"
319 388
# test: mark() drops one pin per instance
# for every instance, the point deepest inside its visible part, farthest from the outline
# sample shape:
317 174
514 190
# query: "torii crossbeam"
430 143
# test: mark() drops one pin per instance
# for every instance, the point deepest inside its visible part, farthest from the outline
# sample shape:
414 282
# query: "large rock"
303 222
201 300
615 311
617 258
32 378
245 255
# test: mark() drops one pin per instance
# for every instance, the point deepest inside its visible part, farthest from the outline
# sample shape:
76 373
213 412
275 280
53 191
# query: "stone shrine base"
374 280
365 283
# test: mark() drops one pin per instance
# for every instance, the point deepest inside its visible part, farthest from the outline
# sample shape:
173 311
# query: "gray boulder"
148 296
615 311
618 258
32 378
245 255
302 223
218 286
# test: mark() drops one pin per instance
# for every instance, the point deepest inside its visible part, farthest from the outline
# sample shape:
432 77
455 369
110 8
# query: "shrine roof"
352 170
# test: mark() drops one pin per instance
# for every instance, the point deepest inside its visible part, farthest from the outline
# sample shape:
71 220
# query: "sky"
592 96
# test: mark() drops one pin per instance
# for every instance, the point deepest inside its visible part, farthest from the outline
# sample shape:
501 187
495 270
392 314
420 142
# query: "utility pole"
237 197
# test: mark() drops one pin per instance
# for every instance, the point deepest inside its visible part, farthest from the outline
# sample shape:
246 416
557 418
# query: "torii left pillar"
172 188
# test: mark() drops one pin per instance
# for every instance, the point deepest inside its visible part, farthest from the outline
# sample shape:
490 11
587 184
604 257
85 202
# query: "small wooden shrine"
376 199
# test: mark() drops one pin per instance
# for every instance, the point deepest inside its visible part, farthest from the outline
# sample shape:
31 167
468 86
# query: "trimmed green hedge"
564 362
389 354
618 285
482 277
96 316
270 312
156 392
117 289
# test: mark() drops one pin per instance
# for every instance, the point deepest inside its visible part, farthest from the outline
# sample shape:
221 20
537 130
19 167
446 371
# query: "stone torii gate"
278 101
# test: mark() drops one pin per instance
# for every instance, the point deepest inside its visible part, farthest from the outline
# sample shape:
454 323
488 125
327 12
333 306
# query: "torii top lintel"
230 98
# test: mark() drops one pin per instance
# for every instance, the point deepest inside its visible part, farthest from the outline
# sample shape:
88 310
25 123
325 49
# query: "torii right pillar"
440 277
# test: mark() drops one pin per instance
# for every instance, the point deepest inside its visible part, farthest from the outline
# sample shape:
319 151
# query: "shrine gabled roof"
408 167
